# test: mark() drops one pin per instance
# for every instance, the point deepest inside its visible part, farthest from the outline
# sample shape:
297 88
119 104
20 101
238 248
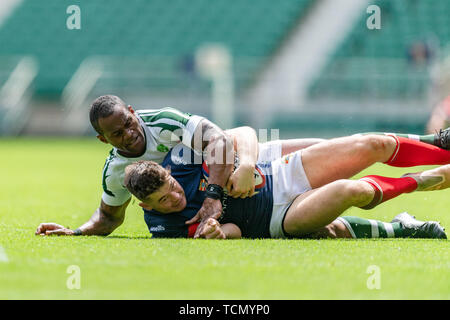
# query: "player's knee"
333 230
339 229
355 191
371 146
325 232
330 231
376 145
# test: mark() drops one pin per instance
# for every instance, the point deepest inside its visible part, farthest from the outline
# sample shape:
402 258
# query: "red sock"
410 153
387 188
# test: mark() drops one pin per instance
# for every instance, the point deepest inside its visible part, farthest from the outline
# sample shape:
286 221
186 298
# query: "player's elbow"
246 130
221 139
220 149
106 224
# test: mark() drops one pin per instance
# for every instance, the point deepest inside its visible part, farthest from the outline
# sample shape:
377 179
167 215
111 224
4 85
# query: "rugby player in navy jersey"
300 195
182 188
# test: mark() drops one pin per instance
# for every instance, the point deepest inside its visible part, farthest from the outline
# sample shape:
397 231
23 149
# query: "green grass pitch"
59 181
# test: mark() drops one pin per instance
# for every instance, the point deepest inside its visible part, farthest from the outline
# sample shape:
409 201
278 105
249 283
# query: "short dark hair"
143 178
103 107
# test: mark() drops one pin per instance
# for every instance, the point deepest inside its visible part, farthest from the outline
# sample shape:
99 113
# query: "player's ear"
102 138
145 206
130 108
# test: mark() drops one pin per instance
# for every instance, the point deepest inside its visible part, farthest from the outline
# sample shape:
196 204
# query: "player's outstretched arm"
103 222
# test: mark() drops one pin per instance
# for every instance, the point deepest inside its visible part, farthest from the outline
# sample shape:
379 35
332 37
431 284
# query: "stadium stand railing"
392 62
17 75
172 29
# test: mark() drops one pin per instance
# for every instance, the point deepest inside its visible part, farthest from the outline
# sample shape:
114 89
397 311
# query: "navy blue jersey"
251 215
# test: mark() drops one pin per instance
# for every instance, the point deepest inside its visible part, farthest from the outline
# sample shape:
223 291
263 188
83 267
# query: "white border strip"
389 230
397 147
376 185
349 227
414 137
375 233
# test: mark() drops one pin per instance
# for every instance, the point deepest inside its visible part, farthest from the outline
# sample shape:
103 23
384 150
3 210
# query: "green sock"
367 228
429 138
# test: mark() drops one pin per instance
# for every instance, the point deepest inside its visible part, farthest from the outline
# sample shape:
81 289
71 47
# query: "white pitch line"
3 255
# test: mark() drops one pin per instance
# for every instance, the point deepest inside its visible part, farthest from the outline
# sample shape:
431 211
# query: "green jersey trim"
104 175
152 119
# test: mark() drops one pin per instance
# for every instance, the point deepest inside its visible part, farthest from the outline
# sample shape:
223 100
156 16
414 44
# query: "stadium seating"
381 63
144 28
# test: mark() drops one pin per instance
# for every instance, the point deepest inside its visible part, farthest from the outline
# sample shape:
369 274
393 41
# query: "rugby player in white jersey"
149 135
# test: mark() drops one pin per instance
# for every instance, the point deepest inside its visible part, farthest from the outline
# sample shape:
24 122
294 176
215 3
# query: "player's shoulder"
166 225
166 114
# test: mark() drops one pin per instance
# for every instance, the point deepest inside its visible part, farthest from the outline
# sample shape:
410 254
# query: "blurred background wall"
306 67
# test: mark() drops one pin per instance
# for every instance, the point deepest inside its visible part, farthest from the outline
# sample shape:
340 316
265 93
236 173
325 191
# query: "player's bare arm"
103 222
219 149
242 181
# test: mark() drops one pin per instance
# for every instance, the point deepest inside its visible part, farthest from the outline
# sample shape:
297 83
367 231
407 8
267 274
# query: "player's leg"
280 148
342 158
387 188
336 229
402 226
358 228
439 139
272 150
319 207
292 145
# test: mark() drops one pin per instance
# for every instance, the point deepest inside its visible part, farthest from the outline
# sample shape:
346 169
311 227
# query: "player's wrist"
248 165
77 232
214 191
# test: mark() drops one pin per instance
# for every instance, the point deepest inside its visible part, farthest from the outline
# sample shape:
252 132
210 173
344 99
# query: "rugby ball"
260 179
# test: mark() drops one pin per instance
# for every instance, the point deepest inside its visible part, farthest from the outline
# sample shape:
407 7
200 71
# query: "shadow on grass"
292 240
127 237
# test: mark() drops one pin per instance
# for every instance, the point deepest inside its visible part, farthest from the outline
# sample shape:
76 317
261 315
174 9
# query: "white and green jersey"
164 129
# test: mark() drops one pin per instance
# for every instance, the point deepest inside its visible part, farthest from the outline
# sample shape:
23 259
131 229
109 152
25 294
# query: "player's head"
117 124
154 187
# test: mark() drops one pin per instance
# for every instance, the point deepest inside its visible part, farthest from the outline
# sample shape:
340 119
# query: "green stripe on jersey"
169 127
104 176
166 113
